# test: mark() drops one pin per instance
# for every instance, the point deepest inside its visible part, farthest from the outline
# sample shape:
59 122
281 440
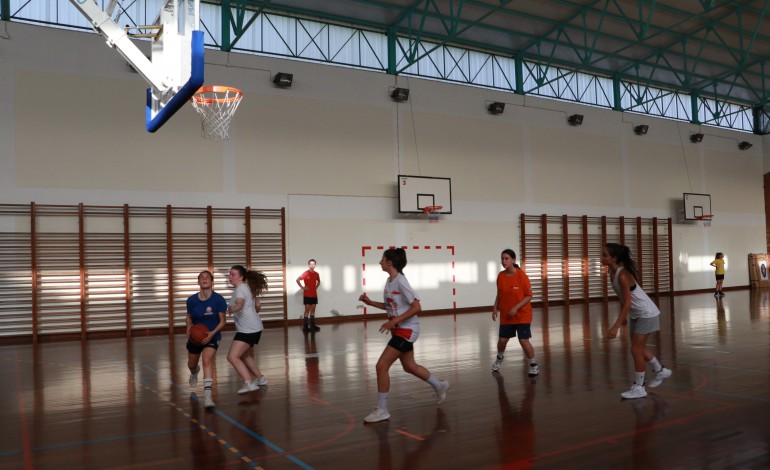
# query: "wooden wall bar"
79 270
127 267
568 266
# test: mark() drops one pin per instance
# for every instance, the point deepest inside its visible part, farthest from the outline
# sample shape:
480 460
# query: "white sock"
382 400
434 382
207 385
656 367
532 361
500 356
639 378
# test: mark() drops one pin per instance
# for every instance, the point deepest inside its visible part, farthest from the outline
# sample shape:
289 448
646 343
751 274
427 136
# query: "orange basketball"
198 333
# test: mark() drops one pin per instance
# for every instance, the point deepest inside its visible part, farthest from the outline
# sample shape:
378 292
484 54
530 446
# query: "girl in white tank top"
644 317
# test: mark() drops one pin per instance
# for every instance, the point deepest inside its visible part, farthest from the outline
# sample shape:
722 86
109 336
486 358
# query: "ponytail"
622 256
256 280
512 254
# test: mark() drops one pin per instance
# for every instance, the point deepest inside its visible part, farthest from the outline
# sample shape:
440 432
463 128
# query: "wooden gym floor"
126 403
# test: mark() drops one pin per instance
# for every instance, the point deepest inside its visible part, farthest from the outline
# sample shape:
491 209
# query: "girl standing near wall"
402 304
513 303
643 313
719 264
244 306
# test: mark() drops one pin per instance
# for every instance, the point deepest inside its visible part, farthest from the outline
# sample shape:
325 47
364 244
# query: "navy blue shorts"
197 349
521 329
310 300
400 344
249 338
720 277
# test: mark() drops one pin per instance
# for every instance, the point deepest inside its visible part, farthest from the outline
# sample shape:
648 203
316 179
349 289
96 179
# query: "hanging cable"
684 157
414 130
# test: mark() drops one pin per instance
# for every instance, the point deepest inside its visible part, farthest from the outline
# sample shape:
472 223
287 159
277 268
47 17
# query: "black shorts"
720 277
310 300
523 330
249 338
197 349
400 344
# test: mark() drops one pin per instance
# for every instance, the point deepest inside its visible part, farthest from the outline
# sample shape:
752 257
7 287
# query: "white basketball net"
216 106
433 212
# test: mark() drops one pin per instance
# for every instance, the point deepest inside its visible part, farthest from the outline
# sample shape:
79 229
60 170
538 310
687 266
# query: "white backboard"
696 205
417 192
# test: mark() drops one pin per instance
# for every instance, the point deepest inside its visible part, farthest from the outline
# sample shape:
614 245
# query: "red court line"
26 446
415 247
655 426
409 434
613 440
348 429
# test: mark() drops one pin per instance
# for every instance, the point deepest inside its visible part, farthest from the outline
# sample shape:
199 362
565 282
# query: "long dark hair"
256 280
397 256
622 255
512 254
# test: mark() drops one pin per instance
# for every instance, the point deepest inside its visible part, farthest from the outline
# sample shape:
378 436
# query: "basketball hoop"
433 212
216 105
705 218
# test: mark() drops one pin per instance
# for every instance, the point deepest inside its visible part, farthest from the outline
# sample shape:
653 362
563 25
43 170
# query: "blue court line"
263 440
97 441
112 439
248 431
134 377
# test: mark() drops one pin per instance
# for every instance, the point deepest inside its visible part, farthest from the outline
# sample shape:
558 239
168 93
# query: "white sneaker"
534 369
377 415
194 376
441 392
261 381
659 377
248 387
208 403
496 365
636 391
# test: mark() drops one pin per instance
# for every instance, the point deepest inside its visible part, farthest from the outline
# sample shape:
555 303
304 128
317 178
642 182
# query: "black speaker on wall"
761 119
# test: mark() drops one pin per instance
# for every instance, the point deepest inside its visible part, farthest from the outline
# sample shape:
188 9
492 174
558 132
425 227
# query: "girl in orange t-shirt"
514 294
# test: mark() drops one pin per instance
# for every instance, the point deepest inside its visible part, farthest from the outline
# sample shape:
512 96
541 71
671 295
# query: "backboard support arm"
118 39
175 71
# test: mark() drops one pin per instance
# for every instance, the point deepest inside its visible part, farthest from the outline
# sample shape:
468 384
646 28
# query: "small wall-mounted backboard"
696 205
417 192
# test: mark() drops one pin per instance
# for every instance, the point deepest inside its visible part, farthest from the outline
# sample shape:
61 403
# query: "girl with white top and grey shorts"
644 317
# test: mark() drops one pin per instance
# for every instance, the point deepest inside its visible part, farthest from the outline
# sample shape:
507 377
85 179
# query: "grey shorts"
644 326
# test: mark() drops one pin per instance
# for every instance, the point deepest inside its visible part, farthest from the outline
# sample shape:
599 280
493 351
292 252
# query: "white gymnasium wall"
329 149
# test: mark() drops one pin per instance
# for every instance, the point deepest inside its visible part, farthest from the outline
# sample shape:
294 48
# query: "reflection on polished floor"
126 403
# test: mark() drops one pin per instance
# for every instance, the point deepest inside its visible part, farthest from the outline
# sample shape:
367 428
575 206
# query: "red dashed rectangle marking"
414 247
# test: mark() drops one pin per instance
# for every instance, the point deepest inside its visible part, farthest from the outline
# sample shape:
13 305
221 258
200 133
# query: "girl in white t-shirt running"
638 310
244 307
402 304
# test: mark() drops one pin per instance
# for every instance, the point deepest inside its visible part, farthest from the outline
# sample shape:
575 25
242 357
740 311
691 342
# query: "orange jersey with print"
511 289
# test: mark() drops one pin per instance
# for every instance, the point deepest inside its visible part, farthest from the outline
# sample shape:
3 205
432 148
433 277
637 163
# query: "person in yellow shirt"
719 264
